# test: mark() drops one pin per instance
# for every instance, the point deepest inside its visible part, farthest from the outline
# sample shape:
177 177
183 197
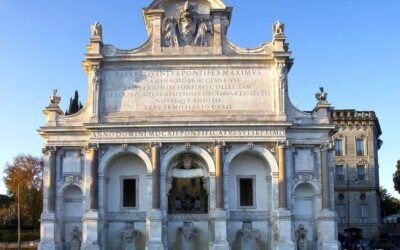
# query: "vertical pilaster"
325 175
90 221
282 174
219 174
216 15
327 219
51 151
48 224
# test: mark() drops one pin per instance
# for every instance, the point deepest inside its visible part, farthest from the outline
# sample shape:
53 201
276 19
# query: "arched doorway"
73 212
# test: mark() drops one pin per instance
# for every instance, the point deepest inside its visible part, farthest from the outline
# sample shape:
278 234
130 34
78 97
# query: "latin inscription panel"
153 91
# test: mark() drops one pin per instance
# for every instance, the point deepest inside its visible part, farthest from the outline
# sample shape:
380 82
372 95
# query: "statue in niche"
97 30
301 234
249 236
54 99
205 27
170 30
278 28
321 96
128 236
75 239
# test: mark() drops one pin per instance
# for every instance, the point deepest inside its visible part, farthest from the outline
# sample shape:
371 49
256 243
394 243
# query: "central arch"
172 167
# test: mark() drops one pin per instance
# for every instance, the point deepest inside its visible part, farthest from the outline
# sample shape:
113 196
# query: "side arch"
259 150
114 153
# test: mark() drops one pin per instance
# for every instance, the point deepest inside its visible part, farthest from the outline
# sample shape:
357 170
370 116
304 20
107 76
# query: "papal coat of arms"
187 28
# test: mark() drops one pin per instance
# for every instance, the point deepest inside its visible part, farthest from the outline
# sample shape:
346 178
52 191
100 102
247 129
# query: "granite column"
282 174
219 215
219 175
154 216
94 173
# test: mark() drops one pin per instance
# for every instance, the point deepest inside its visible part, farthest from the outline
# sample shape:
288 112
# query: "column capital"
219 144
155 144
282 144
92 146
49 150
326 146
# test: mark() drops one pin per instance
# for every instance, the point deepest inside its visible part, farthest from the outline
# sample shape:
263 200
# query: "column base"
283 230
90 231
47 246
47 231
219 216
154 230
327 230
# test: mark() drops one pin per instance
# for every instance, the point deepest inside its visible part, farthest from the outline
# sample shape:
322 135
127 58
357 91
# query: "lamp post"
19 218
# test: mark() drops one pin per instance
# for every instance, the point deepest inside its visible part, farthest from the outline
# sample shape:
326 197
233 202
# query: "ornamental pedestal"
282 233
327 231
90 231
219 217
154 230
48 227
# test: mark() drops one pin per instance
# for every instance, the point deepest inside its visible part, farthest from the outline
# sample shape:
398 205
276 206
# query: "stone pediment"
162 4
185 23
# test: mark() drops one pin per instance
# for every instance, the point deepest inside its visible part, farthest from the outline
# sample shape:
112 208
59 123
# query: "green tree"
389 204
74 104
396 177
28 172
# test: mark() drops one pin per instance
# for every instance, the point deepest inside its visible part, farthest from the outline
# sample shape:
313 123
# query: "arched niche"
73 209
306 202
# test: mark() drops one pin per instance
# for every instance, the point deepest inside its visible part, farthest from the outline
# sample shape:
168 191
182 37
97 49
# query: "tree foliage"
389 204
396 177
28 171
74 104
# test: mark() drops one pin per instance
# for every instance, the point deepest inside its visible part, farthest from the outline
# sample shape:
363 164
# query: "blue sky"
349 47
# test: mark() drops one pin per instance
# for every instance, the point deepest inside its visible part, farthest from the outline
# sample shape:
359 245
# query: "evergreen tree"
396 177
74 104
